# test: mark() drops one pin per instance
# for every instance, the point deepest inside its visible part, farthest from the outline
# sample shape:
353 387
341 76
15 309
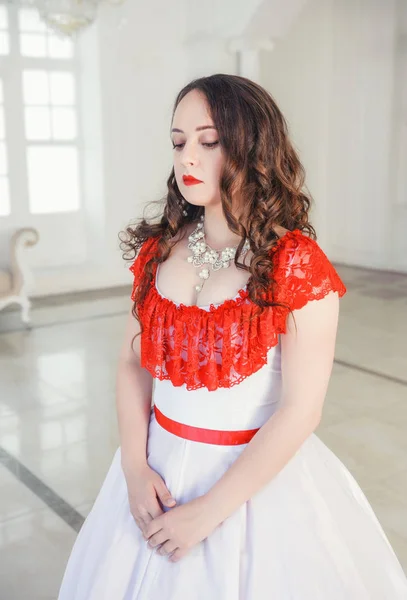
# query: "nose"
188 155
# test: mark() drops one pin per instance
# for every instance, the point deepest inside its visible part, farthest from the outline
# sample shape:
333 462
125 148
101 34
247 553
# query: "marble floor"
58 428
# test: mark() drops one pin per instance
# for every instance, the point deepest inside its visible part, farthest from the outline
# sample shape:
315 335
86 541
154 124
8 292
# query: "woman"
222 491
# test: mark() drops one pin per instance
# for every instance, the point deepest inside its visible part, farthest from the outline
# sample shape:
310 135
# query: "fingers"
167 500
154 509
150 502
143 515
142 518
164 546
167 548
140 523
177 555
158 538
164 495
145 521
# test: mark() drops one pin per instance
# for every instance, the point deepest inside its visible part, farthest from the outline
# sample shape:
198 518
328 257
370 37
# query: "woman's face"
197 150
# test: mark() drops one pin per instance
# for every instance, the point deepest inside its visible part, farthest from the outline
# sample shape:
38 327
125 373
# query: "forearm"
133 403
264 456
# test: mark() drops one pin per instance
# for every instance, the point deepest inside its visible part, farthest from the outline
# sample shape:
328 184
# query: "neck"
217 232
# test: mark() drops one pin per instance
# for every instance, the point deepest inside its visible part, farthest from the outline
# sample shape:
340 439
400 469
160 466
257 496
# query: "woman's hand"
178 530
145 487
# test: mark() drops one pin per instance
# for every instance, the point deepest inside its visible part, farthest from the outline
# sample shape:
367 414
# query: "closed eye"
207 144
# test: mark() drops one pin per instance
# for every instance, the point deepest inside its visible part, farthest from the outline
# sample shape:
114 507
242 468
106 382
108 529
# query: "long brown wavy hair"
261 167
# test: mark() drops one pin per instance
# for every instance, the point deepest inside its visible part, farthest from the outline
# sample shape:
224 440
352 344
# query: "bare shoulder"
280 231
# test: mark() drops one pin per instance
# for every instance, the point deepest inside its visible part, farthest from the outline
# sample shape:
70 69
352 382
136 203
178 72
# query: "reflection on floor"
58 429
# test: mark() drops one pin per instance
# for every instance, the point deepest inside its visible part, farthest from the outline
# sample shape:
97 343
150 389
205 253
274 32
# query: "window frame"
73 223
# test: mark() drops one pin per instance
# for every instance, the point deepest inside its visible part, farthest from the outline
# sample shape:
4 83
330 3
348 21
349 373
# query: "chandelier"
68 17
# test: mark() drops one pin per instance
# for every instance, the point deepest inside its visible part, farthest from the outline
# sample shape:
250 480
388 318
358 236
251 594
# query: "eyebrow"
200 128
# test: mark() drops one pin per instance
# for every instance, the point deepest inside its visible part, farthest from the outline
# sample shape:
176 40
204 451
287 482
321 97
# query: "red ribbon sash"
207 436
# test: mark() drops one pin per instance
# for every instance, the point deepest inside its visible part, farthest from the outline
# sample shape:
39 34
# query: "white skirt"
309 534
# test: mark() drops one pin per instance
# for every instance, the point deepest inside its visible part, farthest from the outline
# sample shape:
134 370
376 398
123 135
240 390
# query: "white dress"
309 534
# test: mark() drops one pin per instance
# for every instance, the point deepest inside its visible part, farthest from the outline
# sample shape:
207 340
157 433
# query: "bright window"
4 33
40 115
4 182
47 167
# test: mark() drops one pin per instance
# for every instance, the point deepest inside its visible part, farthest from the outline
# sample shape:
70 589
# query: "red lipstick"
189 180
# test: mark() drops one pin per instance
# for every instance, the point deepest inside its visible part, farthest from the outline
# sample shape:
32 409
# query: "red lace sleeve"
143 255
303 271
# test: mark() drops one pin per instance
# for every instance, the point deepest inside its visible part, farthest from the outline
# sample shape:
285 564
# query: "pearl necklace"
204 254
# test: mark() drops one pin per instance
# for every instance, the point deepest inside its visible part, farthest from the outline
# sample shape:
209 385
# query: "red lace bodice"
222 346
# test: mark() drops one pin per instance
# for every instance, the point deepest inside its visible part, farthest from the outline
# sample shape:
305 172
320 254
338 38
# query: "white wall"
398 157
297 74
334 78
